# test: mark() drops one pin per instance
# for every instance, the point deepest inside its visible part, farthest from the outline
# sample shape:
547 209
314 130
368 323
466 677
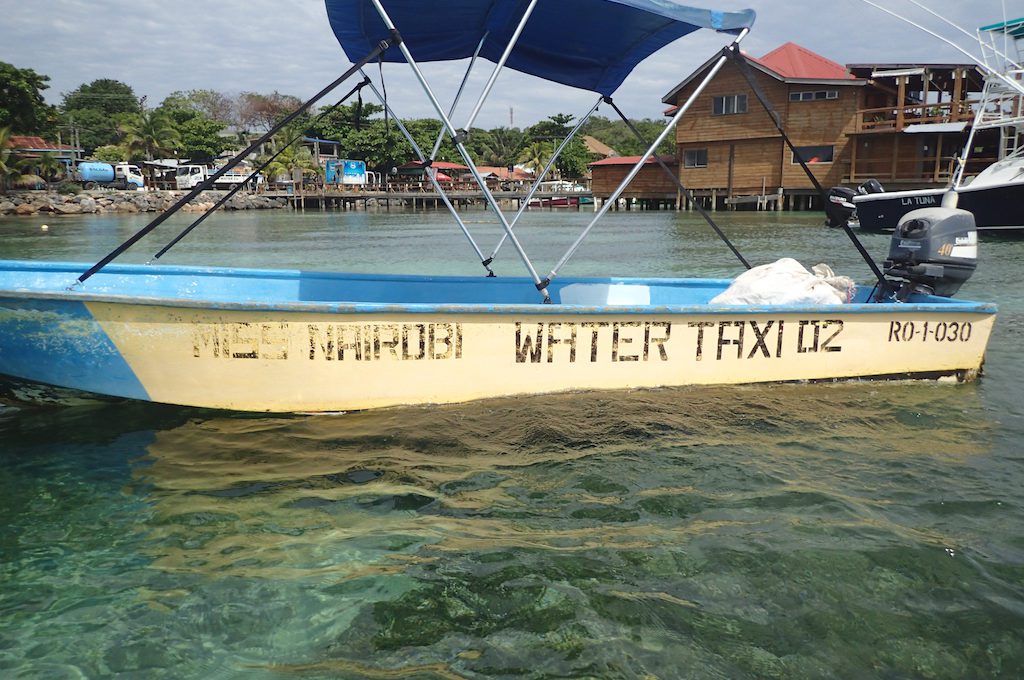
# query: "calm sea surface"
858 530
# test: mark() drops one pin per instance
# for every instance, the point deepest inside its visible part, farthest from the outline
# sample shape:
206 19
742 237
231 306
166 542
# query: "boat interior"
275 289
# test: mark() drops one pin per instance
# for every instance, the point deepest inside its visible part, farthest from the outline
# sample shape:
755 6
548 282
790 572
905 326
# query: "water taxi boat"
295 341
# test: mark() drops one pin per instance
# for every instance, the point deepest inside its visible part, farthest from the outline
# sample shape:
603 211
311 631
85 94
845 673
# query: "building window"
730 103
815 154
695 158
814 95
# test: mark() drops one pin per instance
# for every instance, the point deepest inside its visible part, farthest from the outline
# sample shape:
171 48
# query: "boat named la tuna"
297 341
996 195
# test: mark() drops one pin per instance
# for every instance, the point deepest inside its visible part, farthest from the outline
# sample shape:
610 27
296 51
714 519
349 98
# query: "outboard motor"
872 186
839 207
932 251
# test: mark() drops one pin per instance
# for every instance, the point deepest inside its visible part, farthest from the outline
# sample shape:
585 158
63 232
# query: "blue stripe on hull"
58 342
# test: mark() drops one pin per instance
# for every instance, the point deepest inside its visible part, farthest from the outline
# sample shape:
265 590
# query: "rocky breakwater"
36 202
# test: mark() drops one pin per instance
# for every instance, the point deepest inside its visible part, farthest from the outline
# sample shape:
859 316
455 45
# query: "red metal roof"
437 165
792 61
35 144
502 173
630 160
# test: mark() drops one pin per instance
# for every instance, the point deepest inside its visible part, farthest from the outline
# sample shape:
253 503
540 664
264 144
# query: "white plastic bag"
787 282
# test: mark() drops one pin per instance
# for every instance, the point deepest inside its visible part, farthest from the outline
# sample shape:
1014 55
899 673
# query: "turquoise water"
854 530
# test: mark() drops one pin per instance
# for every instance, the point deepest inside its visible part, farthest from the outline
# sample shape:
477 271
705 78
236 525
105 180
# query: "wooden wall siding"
650 182
760 152
699 124
755 159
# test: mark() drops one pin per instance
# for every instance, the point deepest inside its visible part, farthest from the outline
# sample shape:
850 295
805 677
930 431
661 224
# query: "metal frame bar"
643 159
679 183
498 66
458 94
433 178
547 169
446 121
375 53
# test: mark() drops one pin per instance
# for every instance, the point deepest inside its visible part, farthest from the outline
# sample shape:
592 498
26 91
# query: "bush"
69 188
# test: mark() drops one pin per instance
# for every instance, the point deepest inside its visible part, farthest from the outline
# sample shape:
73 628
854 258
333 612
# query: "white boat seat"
605 294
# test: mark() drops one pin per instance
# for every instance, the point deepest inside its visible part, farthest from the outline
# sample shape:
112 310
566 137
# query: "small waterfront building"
652 187
27 146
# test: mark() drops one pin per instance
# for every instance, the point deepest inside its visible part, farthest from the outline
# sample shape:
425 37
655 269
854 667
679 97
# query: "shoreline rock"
25 203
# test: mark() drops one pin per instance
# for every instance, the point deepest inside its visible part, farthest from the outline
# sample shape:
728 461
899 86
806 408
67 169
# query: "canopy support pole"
433 180
381 47
733 52
547 168
542 287
679 183
458 95
238 187
497 68
719 63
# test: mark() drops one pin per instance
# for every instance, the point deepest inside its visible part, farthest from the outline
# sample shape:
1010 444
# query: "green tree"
345 119
572 162
617 135
21 101
292 160
201 138
150 134
536 155
48 167
95 111
14 171
500 147
211 104
110 153
109 96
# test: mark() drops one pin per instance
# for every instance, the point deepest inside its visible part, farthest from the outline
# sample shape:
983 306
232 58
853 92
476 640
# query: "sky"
233 46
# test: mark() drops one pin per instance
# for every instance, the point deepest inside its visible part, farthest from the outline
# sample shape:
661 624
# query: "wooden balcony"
930 170
896 119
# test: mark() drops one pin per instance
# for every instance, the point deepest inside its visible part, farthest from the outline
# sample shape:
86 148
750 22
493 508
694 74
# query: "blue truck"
93 174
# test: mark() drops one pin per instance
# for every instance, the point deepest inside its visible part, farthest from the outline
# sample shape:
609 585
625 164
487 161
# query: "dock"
330 198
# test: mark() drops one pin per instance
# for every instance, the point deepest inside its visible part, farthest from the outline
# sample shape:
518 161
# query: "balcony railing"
896 118
921 170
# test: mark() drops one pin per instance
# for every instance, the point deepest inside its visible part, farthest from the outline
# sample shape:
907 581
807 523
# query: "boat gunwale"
344 307
936 305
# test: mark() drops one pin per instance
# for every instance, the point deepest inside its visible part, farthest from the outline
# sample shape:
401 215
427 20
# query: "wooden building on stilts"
901 124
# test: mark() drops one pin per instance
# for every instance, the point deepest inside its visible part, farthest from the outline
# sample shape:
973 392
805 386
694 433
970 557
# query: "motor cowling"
933 251
872 186
839 207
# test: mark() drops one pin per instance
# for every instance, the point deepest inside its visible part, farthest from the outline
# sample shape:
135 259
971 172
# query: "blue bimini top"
589 44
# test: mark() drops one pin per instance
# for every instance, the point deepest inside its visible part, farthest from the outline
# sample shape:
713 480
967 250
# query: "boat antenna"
980 62
679 183
733 52
394 39
1004 54
252 175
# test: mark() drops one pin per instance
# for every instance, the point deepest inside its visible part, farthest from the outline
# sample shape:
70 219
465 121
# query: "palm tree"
293 157
11 166
150 133
502 146
48 167
536 156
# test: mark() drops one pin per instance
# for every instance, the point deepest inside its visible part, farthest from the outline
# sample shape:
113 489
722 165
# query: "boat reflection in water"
579 531
403 538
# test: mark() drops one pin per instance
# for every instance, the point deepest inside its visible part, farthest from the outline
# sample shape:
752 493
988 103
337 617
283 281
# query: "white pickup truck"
190 176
